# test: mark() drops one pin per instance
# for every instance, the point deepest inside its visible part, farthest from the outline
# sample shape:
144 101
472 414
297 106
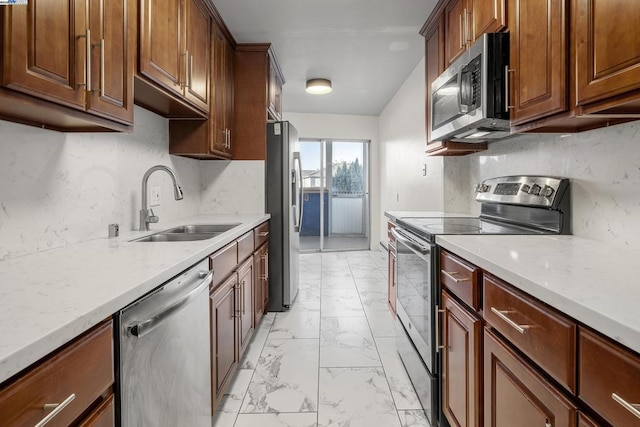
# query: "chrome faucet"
146 213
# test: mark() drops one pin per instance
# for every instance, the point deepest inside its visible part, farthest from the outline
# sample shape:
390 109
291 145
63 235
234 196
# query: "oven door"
415 299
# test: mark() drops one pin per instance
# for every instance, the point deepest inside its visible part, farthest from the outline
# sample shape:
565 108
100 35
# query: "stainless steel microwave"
469 101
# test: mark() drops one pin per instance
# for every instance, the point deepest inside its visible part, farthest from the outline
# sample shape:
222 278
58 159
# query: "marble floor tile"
381 322
310 283
373 300
224 419
307 276
413 418
308 294
340 302
286 378
402 390
355 397
296 323
338 282
252 353
366 273
231 401
304 306
278 420
347 342
335 265
372 284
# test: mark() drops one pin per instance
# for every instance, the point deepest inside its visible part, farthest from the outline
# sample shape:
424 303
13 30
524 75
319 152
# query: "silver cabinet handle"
57 408
229 138
466 27
191 72
507 95
503 315
102 79
461 34
87 61
184 76
548 424
450 274
242 296
634 408
265 257
439 345
141 329
263 234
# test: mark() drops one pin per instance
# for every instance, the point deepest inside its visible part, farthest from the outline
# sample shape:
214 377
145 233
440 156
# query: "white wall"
62 188
402 153
339 126
603 165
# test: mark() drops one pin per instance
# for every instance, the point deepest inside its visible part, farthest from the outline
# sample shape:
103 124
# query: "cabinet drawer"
224 262
260 235
609 376
391 226
245 246
84 370
542 334
103 416
461 278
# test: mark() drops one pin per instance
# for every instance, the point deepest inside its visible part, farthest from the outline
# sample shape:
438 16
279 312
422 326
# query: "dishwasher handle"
413 245
141 329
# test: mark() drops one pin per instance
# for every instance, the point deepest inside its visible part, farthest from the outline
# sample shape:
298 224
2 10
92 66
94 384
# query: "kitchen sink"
203 228
188 233
175 237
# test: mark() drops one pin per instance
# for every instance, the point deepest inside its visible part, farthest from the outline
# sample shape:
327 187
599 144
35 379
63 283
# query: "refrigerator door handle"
296 191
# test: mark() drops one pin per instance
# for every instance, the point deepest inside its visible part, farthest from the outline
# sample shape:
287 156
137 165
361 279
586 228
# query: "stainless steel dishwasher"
165 370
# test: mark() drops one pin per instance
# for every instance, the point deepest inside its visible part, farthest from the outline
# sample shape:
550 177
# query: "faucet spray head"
177 192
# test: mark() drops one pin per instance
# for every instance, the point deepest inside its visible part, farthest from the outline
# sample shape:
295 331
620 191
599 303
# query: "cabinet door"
162 49
461 365
198 42
44 50
228 94
434 57
245 303
103 416
456 16
223 328
219 115
515 395
607 40
391 286
113 25
488 16
258 308
538 59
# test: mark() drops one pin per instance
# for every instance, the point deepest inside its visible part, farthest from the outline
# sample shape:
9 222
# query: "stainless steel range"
510 205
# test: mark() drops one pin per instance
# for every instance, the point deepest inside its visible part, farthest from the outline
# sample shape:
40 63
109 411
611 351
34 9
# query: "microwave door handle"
465 91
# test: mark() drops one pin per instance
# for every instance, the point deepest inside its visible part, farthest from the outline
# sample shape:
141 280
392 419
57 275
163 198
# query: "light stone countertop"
593 282
50 297
396 215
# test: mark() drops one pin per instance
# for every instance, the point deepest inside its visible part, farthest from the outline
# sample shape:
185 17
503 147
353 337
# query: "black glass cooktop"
430 227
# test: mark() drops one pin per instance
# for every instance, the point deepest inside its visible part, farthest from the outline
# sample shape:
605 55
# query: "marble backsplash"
603 165
232 187
62 188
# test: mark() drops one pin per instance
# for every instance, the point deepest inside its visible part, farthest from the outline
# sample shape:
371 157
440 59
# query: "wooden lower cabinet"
244 295
461 364
81 374
224 355
516 395
585 421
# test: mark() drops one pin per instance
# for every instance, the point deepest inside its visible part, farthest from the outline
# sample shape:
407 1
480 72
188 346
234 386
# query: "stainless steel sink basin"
188 233
202 228
176 237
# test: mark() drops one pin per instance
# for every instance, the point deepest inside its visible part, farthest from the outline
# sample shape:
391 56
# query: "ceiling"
367 48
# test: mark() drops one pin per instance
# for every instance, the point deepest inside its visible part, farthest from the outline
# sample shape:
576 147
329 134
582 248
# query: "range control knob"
482 188
525 188
547 191
535 190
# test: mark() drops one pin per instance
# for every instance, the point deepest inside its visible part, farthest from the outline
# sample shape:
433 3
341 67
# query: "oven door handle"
410 243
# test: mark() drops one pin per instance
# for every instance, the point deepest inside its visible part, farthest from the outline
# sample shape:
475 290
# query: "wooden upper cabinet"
461 364
76 54
113 51
222 89
162 53
434 63
275 92
538 59
44 50
488 16
607 40
456 18
198 50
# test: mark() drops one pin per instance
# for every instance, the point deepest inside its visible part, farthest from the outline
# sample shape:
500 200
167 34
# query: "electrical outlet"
154 196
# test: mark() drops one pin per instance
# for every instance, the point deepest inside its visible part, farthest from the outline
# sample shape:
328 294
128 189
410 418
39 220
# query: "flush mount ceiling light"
318 86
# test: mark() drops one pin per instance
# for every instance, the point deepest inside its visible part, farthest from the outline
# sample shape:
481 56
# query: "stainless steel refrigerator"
284 202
